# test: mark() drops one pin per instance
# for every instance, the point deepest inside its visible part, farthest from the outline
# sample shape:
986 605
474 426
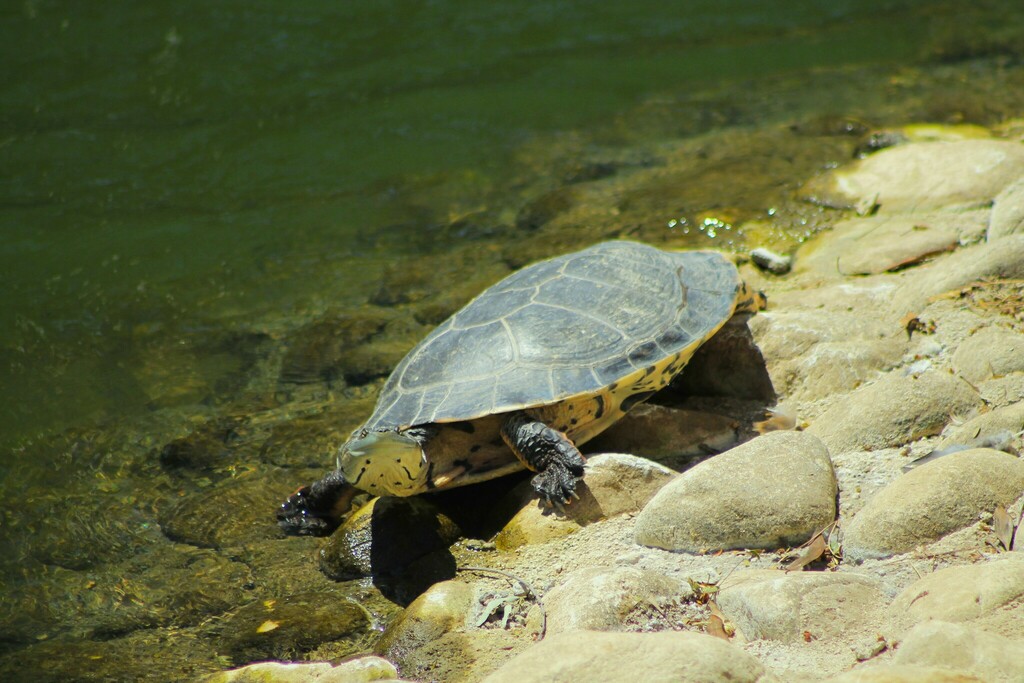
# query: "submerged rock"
776 490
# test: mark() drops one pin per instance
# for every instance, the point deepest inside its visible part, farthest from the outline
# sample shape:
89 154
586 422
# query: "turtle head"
389 462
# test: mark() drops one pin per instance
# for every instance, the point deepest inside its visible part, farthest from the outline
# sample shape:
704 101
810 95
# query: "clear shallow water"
188 190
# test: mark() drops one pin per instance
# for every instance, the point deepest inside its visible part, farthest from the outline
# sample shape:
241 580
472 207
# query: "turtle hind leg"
548 452
316 510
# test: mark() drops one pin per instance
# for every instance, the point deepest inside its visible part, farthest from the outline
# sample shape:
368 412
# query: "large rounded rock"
614 483
926 176
678 656
443 608
360 670
893 411
1008 212
776 490
1001 420
903 673
600 599
1000 260
965 593
988 656
933 500
988 353
783 606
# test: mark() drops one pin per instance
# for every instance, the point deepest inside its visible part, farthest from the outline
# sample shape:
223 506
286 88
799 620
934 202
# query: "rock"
289 627
925 176
666 434
614 483
778 489
358 670
990 352
875 244
1006 419
462 657
831 368
443 608
965 593
964 649
1001 260
231 513
600 599
893 411
384 536
776 605
903 673
933 500
1008 212
630 657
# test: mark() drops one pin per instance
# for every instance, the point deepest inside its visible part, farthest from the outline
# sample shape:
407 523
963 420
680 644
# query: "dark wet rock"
590 170
359 670
984 594
933 500
231 513
601 598
879 140
213 447
925 176
384 537
776 490
960 648
157 655
680 656
1008 212
990 352
667 435
445 607
777 605
289 627
894 411
612 484
312 441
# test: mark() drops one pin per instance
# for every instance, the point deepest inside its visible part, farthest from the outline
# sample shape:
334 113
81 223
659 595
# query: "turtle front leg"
548 452
316 510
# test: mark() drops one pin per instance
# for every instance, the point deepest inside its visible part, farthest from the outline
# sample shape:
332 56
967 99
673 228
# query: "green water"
191 191
182 162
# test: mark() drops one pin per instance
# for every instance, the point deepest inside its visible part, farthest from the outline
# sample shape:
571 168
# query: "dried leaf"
716 623
1003 526
814 549
703 592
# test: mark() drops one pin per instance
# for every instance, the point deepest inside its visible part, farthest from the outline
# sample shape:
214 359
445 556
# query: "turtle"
526 372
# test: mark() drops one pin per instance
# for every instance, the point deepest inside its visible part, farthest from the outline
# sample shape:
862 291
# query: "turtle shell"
560 328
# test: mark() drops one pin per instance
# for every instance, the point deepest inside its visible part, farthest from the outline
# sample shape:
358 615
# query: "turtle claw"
316 510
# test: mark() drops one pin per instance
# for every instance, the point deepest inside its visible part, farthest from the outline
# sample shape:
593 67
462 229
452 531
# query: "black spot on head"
600 406
573 421
633 399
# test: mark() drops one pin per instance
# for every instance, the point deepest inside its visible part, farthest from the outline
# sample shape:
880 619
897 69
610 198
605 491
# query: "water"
185 185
